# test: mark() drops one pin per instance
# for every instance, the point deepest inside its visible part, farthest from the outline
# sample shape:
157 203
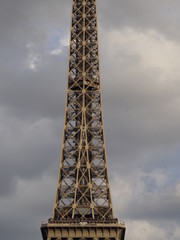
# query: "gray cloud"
161 16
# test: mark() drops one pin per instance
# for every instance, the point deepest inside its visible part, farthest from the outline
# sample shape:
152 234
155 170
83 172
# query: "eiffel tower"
83 206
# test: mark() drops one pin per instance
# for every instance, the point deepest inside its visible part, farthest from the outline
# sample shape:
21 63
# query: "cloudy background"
140 75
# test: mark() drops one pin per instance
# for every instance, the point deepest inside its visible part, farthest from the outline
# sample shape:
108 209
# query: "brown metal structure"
83 205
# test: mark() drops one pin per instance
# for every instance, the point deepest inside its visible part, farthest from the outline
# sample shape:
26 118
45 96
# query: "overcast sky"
140 77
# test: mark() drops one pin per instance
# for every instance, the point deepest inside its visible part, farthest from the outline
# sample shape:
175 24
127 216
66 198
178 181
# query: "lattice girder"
83 189
83 206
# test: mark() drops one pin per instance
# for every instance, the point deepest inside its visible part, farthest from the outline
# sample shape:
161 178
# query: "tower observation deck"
83 206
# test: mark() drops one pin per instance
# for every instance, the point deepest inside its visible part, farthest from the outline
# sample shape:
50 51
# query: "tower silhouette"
83 206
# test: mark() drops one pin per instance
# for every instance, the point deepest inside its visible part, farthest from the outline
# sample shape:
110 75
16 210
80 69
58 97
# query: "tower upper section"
83 191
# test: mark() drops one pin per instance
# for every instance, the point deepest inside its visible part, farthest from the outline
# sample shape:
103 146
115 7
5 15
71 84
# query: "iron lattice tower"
83 206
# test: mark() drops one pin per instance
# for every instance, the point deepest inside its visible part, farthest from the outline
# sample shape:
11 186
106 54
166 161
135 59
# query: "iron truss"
83 191
83 206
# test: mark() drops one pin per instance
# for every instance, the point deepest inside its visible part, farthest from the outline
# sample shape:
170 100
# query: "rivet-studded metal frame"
83 190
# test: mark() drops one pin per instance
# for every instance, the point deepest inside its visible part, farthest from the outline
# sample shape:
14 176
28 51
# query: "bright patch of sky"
34 58
57 41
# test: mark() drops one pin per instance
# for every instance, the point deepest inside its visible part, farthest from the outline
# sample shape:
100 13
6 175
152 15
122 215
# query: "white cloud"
177 190
34 58
141 195
143 230
63 42
121 192
140 80
145 54
153 48
176 235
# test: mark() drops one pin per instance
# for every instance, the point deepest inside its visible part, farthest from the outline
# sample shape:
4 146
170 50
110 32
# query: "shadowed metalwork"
83 190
